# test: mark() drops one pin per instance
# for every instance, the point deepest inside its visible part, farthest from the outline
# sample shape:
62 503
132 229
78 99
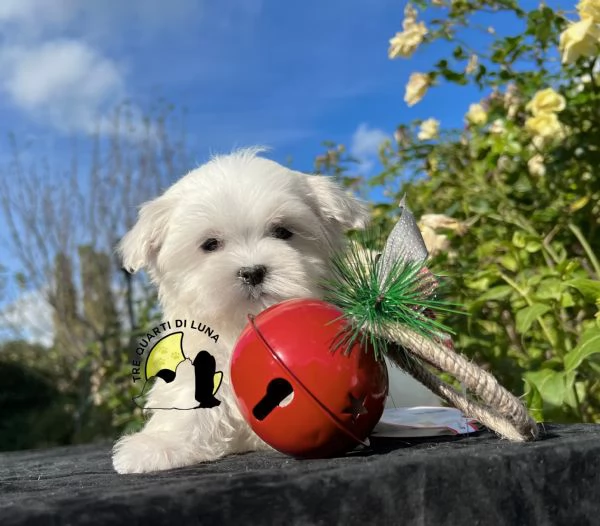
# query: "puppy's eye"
210 245
281 233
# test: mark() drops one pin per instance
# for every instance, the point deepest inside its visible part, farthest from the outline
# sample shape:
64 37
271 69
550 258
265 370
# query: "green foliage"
34 413
62 397
107 409
96 308
524 198
116 390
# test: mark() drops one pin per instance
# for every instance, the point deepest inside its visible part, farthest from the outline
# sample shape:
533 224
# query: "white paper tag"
418 422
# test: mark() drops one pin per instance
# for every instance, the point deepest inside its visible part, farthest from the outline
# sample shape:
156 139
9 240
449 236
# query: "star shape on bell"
356 408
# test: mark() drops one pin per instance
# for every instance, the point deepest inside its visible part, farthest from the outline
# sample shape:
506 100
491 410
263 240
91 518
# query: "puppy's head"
239 234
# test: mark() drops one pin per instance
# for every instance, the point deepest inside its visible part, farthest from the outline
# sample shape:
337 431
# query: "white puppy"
230 238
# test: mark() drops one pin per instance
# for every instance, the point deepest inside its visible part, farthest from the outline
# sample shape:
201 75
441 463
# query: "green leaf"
495 293
480 73
522 185
509 262
589 288
550 289
571 387
533 246
566 300
514 148
479 206
535 403
478 284
525 317
550 384
588 345
519 240
458 53
579 204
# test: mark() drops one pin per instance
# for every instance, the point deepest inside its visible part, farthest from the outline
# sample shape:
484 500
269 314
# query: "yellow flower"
589 9
546 101
430 129
539 142
432 165
416 88
434 242
511 101
404 43
472 65
536 165
429 224
410 15
544 125
580 39
498 127
437 221
476 114
506 163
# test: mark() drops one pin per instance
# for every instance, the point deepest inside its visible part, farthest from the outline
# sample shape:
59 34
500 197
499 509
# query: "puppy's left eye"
281 232
210 245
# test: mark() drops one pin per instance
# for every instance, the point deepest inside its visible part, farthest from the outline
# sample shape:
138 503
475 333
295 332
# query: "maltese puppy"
229 239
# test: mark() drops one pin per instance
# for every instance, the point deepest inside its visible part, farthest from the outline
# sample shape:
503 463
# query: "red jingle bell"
289 351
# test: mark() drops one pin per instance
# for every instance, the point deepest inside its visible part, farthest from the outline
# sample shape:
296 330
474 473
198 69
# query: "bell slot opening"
279 394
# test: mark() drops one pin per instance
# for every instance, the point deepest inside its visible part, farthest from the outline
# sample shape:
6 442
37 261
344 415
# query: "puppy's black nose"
253 275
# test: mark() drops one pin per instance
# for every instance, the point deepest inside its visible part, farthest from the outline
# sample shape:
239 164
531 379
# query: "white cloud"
365 145
62 61
35 14
72 83
67 83
42 17
64 81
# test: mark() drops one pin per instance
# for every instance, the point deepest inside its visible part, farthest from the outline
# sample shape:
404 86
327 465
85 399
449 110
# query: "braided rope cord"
498 410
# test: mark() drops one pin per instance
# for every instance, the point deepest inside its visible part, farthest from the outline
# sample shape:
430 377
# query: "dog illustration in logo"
208 380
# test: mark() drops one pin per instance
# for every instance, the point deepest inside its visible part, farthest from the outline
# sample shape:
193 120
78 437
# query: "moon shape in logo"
165 356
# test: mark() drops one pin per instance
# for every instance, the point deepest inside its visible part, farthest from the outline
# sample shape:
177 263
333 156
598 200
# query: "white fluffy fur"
237 199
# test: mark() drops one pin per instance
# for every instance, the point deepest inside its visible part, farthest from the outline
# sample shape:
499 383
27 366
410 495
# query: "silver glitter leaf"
405 242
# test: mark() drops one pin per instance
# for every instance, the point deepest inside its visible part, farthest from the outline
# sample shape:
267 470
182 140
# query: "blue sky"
287 74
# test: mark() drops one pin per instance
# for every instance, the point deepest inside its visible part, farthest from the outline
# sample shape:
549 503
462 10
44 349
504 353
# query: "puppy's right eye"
281 233
210 245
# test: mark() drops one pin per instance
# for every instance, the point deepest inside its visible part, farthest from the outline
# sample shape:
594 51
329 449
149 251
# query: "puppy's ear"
336 204
140 246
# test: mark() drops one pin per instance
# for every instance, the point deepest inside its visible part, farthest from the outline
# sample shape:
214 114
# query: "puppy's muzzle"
252 275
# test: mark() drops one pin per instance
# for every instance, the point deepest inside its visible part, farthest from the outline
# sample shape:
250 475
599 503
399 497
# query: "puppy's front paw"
144 453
